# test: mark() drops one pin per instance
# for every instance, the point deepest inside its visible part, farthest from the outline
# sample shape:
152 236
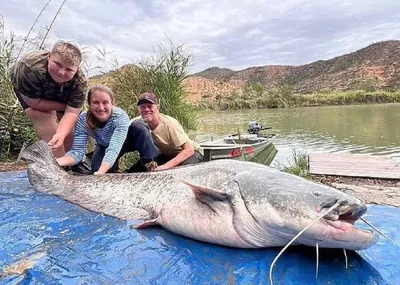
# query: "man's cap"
147 97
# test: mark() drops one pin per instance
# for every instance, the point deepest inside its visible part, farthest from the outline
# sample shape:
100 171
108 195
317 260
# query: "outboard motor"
254 127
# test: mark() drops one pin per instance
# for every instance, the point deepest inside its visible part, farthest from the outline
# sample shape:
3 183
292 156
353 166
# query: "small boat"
235 146
240 146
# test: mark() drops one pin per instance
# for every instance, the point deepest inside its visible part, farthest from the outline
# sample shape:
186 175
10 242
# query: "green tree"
259 89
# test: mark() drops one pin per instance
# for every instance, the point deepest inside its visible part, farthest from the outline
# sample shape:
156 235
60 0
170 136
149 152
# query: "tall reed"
162 73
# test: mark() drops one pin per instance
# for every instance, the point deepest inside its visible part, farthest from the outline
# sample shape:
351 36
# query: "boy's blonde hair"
67 51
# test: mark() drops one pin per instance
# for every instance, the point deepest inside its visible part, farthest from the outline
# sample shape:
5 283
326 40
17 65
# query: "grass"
299 166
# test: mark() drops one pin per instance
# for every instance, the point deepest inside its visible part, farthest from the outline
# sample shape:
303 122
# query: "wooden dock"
366 166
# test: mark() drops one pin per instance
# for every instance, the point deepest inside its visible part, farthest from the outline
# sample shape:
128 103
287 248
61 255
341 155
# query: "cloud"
233 34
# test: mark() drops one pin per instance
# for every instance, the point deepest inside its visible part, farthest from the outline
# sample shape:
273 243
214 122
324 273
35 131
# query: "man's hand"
65 127
56 141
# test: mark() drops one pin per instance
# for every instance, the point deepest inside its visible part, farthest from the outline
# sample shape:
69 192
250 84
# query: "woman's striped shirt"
112 136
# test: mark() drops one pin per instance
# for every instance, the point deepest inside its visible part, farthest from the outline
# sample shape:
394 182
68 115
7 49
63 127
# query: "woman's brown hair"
91 120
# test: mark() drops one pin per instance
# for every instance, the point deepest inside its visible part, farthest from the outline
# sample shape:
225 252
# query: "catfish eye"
317 194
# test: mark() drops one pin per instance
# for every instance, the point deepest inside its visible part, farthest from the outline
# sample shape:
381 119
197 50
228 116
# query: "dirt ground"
12 166
372 191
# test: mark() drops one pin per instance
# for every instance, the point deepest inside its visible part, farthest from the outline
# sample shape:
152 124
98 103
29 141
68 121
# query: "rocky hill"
376 66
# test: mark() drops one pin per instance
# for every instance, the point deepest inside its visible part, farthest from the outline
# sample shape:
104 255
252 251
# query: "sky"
234 34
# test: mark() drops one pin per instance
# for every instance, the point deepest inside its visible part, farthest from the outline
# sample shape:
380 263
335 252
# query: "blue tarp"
73 246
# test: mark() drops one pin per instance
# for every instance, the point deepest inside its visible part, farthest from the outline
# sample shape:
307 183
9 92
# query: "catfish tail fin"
39 152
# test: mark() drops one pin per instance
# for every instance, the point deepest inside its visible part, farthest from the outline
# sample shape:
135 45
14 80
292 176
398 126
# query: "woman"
110 127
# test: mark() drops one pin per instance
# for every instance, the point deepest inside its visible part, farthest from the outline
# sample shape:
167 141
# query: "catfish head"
271 207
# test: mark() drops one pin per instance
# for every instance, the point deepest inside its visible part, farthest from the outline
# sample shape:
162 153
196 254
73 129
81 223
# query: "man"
173 143
50 87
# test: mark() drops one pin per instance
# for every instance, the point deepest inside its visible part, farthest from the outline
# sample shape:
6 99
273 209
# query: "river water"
357 129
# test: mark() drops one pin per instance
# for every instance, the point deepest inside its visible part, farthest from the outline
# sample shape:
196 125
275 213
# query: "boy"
50 87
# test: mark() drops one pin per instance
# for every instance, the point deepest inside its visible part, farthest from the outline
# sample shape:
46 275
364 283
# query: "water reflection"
360 129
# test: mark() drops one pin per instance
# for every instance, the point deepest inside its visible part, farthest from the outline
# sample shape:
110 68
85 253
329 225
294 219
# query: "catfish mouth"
343 218
345 211
346 215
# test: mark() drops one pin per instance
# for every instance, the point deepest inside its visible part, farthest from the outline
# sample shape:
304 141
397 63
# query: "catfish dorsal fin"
204 193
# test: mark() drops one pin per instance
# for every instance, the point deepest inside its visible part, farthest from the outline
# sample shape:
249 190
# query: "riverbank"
371 191
12 166
282 98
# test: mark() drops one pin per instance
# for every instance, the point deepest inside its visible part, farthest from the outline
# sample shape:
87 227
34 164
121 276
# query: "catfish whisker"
296 237
379 231
317 266
345 258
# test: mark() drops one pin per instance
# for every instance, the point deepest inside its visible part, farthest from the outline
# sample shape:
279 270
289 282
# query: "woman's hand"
65 161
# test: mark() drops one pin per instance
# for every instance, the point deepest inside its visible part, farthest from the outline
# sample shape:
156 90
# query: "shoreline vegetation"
278 98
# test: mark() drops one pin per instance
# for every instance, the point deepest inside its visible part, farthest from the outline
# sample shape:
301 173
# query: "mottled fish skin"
227 202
